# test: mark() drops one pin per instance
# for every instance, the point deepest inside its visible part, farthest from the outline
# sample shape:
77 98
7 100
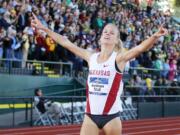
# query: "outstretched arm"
145 45
84 54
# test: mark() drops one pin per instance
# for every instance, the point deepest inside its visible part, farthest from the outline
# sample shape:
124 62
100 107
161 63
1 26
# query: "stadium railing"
33 67
19 111
58 69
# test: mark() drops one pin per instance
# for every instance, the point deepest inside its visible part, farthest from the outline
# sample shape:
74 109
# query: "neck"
106 50
105 54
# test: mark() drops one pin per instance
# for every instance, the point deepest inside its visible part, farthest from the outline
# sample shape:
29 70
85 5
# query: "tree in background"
177 3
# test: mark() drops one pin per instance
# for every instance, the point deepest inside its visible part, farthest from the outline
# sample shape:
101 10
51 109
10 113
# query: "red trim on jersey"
113 93
88 110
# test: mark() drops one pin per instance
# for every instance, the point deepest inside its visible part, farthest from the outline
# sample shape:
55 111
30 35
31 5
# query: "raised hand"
161 32
36 23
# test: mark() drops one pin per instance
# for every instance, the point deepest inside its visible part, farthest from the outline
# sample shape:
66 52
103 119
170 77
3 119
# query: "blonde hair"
119 46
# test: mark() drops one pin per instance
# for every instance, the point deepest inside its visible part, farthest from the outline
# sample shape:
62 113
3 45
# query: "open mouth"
107 38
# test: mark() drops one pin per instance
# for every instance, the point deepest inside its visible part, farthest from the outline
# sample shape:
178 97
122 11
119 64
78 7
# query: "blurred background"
30 59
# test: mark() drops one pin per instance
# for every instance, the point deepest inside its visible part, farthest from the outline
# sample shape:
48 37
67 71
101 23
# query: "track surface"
162 126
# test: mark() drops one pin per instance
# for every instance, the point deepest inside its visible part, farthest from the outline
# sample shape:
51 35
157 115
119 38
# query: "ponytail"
119 46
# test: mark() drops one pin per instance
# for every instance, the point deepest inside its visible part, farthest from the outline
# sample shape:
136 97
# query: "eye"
112 33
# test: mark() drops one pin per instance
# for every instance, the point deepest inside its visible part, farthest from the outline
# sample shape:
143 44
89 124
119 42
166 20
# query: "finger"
33 21
162 25
33 24
164 31
34 16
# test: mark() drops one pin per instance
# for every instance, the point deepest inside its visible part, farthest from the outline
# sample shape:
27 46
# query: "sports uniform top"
104 87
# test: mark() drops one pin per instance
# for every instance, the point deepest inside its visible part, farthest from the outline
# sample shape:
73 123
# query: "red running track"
161 126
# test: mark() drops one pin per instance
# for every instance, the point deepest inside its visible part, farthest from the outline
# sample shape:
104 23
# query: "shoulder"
36 100
92 57
121 54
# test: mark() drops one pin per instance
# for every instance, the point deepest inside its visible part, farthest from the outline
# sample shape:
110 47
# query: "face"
39 93
31 39
4 5
174 61
109 35
19 34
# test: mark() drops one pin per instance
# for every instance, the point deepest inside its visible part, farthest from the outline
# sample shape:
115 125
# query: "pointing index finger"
34 16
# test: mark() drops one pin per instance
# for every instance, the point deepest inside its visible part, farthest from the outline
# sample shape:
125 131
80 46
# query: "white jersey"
104 87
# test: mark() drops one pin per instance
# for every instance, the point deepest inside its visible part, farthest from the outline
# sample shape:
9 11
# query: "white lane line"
45 131
152 131
155 126
133 122
69 134
41 127
152 122
154 119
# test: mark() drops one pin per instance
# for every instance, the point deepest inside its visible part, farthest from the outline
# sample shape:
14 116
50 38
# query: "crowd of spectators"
82 21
